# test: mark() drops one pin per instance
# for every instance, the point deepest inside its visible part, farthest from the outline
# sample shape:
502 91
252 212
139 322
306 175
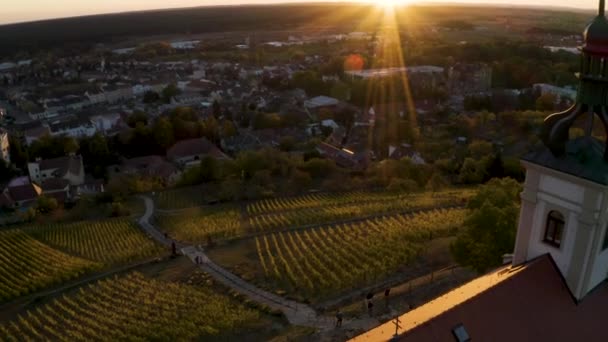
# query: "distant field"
133 308
27 265
109 241
182 198
196 225
321 262
37 257
275 214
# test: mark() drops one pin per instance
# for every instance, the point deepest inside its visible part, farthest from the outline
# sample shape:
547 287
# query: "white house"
106 122
69 168
118 92
96 97
74 128
187 153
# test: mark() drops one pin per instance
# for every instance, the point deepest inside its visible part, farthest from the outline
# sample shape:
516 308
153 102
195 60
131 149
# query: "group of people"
369 304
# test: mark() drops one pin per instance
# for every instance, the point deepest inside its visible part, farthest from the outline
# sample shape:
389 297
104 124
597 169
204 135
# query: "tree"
96 153
162 131
340 91
52 147
318 168
436 182
6 172
405 186
287 143
496 168
169 92
472 171
300 180
119 209
546 102
28 215
479 149
210 170
512 168
151 96
136 118
46 205
70 145
19 154
490 227
228 129
210 129
216 109
310 81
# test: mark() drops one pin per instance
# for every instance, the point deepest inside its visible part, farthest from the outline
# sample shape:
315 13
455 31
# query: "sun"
388 4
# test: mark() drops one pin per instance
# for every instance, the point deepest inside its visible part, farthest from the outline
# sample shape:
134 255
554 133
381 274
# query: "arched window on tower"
554 229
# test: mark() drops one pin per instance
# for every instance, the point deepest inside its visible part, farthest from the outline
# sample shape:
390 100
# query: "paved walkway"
296 313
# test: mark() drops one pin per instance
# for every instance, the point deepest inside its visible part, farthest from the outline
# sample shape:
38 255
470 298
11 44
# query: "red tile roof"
55 184
23 193
153 165
37 132
73 164
194 147
530 303
6 200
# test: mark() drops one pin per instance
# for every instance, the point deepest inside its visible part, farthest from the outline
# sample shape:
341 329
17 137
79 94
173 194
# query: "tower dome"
596 34
592 95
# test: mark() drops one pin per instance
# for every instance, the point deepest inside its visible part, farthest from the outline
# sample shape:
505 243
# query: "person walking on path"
339 318
386 294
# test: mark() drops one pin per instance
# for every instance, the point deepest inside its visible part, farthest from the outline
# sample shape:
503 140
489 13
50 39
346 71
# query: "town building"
469 79
107 122
555 288
147 166
35 133
319 102
344 157
188 153
19 192
430 70
70 168
75 128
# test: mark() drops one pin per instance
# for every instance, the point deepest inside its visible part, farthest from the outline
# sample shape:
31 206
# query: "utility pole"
397 323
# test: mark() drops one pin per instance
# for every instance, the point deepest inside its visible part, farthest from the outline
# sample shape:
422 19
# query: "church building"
556 288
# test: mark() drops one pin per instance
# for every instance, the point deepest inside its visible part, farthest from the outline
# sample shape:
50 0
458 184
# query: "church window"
554 228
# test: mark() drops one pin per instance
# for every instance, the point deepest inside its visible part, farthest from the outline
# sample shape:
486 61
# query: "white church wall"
600 269
537 247
560 188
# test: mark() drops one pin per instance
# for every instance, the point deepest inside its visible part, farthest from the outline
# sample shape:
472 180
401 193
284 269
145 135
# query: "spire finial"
601 11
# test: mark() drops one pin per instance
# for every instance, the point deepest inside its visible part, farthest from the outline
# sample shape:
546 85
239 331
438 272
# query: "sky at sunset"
28 10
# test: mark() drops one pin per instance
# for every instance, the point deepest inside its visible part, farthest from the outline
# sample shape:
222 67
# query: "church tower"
564 208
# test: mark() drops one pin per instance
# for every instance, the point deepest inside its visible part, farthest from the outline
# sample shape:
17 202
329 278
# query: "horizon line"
471 3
